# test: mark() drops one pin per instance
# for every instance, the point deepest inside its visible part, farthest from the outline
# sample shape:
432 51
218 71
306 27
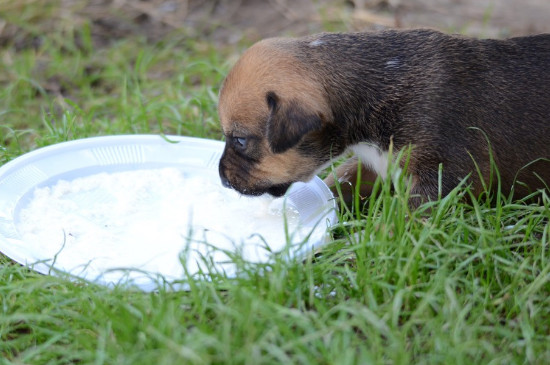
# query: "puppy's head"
273 112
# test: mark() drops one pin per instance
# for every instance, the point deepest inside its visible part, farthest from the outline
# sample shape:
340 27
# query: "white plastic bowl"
80 158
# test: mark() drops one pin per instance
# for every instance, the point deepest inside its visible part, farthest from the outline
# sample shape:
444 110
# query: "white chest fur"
372 156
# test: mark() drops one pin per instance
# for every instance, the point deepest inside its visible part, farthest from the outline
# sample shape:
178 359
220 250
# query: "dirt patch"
221 21
233 21
487 18
230 21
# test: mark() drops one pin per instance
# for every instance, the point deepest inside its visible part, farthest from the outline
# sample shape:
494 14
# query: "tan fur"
242 100
284 166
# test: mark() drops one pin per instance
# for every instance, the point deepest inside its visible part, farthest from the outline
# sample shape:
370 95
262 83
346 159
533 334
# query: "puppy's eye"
240 142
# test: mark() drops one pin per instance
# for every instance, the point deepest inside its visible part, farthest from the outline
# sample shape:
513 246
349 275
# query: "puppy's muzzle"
224 179
275 190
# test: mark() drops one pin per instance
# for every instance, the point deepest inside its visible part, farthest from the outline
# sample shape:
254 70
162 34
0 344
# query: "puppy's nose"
223 178
225 182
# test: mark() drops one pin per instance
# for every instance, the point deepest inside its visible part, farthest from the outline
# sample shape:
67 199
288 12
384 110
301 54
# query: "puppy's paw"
343 180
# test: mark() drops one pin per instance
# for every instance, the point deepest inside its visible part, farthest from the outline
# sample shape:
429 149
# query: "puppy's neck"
367 87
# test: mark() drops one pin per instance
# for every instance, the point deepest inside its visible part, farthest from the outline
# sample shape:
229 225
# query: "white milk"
144 219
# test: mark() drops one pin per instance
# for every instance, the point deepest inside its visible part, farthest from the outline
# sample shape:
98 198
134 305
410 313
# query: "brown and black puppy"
290 106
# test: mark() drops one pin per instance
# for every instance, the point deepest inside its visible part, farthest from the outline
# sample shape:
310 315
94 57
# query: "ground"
229 21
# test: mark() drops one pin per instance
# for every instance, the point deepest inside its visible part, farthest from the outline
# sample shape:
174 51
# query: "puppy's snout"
225 182
223 178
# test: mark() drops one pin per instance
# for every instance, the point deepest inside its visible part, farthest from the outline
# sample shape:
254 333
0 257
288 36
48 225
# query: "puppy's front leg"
346 176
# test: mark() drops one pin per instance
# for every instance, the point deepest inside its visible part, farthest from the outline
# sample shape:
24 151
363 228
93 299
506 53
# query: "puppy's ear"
288 122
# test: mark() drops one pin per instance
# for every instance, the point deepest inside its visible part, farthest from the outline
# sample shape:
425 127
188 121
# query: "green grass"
454 284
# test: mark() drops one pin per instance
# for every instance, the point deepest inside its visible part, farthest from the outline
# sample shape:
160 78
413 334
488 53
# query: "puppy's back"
459 101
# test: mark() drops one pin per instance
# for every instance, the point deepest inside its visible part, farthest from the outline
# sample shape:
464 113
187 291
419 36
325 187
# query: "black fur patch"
288 122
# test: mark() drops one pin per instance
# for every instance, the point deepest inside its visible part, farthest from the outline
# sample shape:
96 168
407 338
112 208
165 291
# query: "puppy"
291 106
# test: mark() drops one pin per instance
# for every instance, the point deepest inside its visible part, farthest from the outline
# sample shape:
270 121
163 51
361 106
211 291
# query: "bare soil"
232 21
229 21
